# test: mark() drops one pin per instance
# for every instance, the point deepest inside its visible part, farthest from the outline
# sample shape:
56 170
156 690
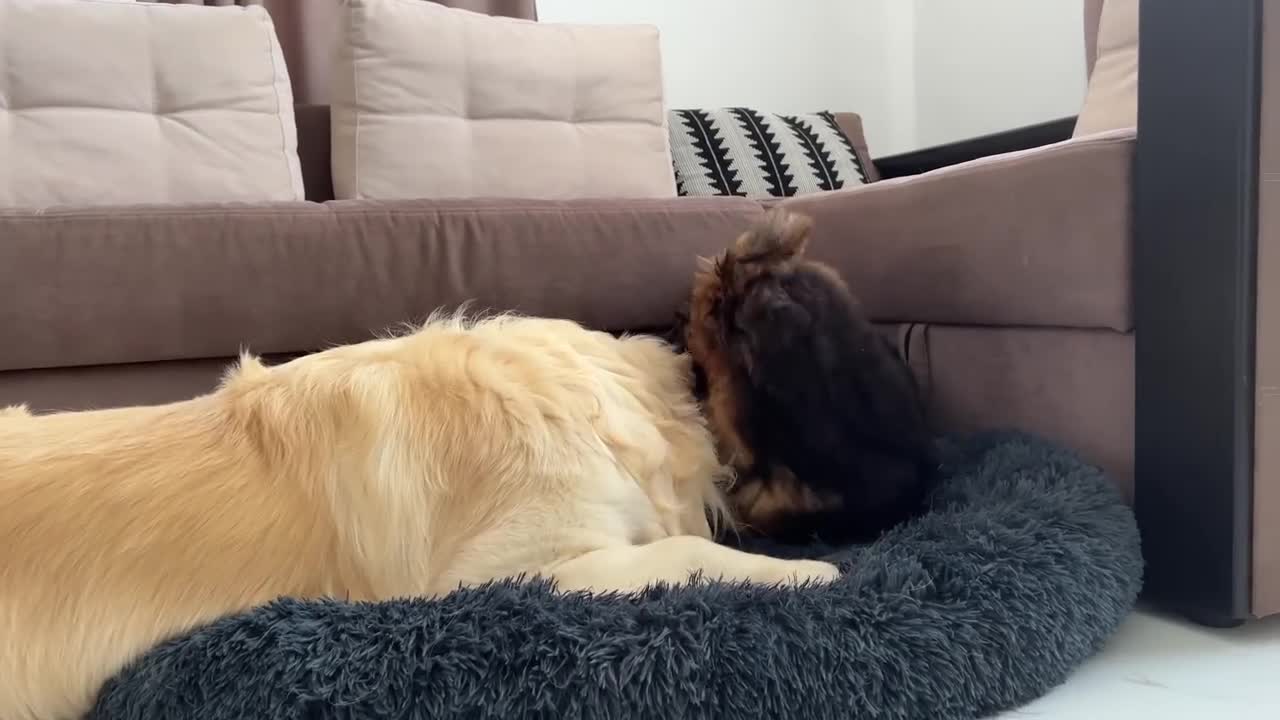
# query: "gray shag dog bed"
1027 562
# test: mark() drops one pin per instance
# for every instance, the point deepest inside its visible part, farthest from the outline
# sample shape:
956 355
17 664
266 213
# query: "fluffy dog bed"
1027 563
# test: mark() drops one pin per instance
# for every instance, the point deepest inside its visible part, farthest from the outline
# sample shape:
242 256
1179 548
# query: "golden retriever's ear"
247 369
780 236
257 407
677 337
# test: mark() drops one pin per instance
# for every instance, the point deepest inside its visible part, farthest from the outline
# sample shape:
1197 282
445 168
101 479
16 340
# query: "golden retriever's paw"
800 572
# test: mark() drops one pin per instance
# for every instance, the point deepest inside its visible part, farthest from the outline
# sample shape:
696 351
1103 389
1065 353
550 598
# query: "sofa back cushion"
109 103
1092 14
1111 102
435 102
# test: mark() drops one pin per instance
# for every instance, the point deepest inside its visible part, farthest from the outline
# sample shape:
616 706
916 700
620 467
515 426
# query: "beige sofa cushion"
434 102
106 103
1111 101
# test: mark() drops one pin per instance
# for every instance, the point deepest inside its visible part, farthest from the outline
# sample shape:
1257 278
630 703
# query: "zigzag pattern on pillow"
739 151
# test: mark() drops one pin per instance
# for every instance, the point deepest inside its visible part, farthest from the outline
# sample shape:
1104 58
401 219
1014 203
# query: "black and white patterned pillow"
738 151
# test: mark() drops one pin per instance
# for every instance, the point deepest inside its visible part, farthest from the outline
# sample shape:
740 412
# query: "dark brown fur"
815 409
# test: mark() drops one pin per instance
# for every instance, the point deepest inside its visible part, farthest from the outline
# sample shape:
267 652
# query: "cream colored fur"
398 467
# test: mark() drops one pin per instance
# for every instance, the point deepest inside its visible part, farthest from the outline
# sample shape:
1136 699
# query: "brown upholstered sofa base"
105 386
1074 386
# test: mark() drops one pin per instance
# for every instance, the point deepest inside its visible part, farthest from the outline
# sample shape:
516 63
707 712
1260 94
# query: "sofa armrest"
1038 237
939 156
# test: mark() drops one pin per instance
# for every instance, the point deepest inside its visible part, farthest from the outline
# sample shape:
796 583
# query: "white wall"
728 52
988 65
920 72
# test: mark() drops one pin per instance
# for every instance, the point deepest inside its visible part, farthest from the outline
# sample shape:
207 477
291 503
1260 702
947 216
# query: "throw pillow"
739 151
434 102
106 103
1111 101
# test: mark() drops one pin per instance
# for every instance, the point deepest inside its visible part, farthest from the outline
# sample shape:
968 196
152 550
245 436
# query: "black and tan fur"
814 409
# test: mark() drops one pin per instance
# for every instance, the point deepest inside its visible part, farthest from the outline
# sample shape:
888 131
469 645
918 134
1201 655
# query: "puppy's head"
733 291
780 339
737 281
729 291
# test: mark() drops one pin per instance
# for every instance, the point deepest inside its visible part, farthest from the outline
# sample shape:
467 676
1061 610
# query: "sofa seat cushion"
94 286
95 387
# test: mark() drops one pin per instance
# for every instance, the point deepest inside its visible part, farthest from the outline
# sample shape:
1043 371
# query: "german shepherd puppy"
814 409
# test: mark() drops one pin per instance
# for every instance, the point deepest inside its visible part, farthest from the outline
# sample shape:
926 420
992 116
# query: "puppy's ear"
722 269
780 236
680 326
682 316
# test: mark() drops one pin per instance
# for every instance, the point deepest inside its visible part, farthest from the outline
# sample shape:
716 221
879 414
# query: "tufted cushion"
433 102
105 103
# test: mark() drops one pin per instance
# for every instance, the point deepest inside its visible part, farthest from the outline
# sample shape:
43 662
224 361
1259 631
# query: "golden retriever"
457 454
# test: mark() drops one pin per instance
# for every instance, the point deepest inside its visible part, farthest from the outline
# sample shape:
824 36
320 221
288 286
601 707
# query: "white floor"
1164 669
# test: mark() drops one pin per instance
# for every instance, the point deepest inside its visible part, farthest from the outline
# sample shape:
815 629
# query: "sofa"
1003 266
149 304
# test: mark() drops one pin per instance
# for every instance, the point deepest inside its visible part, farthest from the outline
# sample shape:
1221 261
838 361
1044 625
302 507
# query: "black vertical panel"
1196 180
